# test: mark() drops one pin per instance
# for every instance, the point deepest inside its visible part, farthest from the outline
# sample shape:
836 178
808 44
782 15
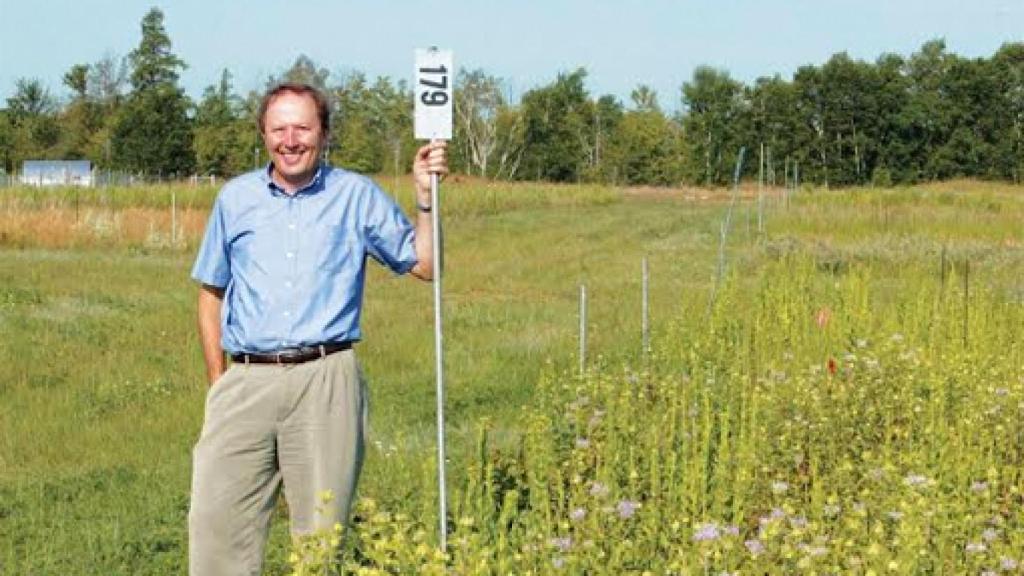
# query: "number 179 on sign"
433 92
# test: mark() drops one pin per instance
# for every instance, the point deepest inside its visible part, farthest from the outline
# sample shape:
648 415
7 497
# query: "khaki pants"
300 424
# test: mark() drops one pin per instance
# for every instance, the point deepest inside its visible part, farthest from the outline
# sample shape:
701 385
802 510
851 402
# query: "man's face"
294 140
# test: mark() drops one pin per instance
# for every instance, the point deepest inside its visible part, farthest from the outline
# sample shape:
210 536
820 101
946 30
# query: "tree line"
932 115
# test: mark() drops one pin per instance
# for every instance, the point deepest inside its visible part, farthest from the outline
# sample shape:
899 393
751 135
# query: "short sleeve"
390 237
212 265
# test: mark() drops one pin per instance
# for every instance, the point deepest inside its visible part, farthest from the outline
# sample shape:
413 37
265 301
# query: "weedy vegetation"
850 401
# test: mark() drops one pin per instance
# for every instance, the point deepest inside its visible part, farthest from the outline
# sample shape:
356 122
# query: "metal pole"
724 228
583 328
760 192
967 297
174 218
435 221
645 310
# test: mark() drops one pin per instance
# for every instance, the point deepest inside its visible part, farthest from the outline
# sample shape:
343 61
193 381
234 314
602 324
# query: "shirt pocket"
338 249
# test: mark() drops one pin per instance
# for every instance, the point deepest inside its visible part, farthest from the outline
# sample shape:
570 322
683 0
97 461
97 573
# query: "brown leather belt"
292 355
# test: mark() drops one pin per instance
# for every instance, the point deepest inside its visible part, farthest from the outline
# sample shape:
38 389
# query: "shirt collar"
315 185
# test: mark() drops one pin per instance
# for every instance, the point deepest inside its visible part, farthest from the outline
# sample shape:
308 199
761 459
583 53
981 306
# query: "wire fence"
104 179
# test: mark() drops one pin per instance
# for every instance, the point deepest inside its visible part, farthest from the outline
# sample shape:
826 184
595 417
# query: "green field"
847 399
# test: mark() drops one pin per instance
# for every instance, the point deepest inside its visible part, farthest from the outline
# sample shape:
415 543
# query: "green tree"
105 88
8 153
355 146
645 99
220 142
304 71
391 110
601 118
34 129
926 120
891 94
1008 69
31 99
775 124
646 146
975 104
557 131
153 64
81 118
850 118
714 114
153 133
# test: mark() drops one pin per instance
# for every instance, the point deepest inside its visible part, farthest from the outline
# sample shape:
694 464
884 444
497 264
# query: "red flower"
832 366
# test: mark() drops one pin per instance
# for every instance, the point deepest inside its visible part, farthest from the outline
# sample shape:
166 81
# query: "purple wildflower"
597 489
706 532
582 443
558 562
780 487
979 486
1007 564
989 534
755 547
627 508
577 514
564 543
731 530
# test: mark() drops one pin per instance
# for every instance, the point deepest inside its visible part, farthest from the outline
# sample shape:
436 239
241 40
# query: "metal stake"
435 221
174 218
583 328
645 310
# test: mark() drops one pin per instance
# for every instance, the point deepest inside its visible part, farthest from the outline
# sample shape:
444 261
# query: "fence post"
967 297
645 330
174 218
583 329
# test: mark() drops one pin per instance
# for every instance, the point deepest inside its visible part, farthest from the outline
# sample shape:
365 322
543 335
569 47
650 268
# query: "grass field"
847 400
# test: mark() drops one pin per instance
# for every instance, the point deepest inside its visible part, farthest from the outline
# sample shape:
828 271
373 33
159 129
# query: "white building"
57 173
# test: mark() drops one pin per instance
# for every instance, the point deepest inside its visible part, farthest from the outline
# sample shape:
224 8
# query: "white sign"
433 93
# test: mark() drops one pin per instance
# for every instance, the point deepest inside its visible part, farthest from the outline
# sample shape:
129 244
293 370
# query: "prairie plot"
850 402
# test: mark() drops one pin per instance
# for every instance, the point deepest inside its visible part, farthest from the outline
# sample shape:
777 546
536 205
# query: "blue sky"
621 44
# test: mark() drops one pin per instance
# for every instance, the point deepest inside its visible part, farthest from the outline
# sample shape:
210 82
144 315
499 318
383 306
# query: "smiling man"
281 271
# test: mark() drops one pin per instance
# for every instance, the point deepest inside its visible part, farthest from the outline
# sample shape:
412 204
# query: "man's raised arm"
430 159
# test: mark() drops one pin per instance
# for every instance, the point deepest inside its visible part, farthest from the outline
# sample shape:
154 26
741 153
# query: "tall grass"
142 217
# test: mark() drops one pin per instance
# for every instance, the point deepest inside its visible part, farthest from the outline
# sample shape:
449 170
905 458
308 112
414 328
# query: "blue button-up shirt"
293 266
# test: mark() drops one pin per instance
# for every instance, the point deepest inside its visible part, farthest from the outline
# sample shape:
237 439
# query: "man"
281 270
